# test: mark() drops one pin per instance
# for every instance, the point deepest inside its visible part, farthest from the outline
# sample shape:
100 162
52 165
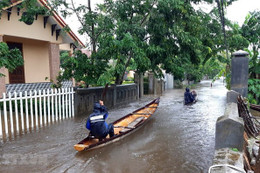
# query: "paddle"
123 127
104 92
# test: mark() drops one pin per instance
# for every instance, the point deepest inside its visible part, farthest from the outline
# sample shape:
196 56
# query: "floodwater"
178 139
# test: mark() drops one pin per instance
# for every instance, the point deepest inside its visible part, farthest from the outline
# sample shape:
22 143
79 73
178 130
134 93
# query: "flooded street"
178 139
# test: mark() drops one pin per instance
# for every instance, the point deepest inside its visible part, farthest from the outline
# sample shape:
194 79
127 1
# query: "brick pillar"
239 72
54 61
2 79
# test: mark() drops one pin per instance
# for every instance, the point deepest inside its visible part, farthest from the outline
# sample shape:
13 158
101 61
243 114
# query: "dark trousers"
110 130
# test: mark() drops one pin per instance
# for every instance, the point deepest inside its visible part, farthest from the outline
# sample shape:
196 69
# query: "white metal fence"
22 112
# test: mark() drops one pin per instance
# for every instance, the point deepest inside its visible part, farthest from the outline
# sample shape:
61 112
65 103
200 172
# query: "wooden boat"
122 127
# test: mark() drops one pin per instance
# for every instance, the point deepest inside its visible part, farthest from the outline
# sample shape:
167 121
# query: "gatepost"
139 80
239 72
151 83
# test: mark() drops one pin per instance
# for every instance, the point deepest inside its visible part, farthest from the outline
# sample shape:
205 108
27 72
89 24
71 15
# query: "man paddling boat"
96 122
189 97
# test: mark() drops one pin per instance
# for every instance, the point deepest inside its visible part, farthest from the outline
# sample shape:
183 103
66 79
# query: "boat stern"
80 147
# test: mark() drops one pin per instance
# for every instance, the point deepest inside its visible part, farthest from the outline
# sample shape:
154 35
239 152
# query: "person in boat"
96 122
189 97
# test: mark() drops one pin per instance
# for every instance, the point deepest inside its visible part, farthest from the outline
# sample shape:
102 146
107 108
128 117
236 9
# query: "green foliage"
128 82
253 91
58 83
150 35
193 73
213 67
83 68
235 149
251 31
9 59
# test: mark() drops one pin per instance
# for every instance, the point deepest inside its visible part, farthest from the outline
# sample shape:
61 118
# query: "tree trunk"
120 78
93 41
222 19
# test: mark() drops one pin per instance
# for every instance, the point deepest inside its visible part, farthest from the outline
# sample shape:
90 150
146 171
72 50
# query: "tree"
80 67
251 31
9 59
149 35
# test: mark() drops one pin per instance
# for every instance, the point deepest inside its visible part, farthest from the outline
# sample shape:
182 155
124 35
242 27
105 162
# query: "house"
40 43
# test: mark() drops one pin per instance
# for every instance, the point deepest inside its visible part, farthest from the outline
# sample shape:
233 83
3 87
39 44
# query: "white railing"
23 112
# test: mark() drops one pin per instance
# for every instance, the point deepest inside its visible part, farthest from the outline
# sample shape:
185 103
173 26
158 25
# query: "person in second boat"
96 122
189 97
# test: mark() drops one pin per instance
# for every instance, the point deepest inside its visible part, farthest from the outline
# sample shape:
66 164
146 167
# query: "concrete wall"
230 129
115 96
229 141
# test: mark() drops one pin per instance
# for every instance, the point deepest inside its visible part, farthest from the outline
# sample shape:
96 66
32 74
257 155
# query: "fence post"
31 106
36 108
40 107
21 109
56 104
59 93
44 107
48 105
63 99
72 102
52 105
66 102
5 114
16 112
26 111
11 113
70 93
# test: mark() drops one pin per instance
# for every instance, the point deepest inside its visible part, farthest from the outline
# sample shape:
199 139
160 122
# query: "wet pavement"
178 139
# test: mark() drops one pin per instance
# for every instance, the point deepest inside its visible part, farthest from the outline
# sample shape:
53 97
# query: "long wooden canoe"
122 127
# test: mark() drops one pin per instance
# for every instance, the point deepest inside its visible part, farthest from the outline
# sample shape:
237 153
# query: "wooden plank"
132 125
142 114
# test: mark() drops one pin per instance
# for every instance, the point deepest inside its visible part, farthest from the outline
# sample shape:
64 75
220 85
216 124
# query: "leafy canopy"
9 59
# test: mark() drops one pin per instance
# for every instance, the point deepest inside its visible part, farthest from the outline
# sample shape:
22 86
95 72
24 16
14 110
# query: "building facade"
40 43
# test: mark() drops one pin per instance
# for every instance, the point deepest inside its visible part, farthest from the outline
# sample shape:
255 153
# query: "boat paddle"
104 92
124 127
